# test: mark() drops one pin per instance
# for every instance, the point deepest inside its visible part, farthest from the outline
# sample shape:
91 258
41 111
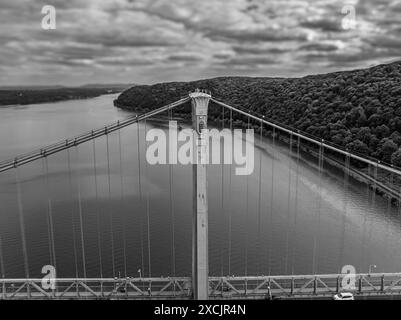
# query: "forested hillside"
359 110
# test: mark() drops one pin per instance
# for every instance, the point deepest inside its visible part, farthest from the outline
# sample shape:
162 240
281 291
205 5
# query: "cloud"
319 47
185 57
152 40
324 24
250 61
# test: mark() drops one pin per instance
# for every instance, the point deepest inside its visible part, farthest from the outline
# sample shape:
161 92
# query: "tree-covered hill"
359 110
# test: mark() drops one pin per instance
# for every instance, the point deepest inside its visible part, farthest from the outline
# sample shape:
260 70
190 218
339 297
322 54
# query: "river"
299 215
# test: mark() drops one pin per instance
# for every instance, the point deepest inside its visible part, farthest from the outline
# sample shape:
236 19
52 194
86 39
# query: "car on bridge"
344 296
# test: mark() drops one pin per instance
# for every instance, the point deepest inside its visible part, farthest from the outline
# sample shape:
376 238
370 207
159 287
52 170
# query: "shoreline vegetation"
26 95
358 111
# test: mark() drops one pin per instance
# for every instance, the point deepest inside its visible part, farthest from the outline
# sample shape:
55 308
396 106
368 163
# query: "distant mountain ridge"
107 86
359 110
50 87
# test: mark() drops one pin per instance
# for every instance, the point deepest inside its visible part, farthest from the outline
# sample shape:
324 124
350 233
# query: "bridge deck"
219 287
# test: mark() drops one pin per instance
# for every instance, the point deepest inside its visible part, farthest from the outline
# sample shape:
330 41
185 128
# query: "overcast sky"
147 41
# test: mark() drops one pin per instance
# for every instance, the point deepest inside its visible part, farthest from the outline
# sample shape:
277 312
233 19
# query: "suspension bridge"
97 273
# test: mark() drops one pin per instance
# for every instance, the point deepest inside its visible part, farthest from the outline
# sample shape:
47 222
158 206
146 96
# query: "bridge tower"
200 254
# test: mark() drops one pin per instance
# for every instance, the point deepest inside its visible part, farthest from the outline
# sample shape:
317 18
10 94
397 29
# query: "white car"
344 296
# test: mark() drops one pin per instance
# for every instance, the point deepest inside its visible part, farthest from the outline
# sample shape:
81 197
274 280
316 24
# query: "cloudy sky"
148 41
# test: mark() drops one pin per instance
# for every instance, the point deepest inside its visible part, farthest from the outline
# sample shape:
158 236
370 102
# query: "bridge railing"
261 287
113 288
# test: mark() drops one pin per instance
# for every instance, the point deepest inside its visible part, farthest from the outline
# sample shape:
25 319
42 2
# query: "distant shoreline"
15 98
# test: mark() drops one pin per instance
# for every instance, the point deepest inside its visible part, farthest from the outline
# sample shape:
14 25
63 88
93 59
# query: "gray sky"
147 41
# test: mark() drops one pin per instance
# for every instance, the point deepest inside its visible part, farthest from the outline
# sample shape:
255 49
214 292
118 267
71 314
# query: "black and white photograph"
219 151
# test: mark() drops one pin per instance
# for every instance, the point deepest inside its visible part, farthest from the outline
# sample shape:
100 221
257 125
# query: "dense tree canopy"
359 110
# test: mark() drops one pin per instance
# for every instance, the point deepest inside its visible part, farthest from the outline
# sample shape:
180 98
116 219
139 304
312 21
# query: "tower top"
201 93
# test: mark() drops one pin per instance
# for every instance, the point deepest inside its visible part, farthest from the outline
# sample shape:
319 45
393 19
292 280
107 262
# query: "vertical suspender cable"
2 269
247 216
374 185
294 237
46 188
270 246
172 213
222 191
140 199
50 216
21 220
398 199
147 210
317 232
345 205
368 184
365 218
229 197
81 227
72 214
260 198
98 225
373 206
389 203
110 207
287 243
122 202
388 210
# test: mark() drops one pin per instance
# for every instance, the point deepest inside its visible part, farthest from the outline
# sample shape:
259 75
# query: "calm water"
297 216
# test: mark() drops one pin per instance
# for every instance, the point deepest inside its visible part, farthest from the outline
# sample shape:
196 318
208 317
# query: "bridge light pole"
370 268
200 254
